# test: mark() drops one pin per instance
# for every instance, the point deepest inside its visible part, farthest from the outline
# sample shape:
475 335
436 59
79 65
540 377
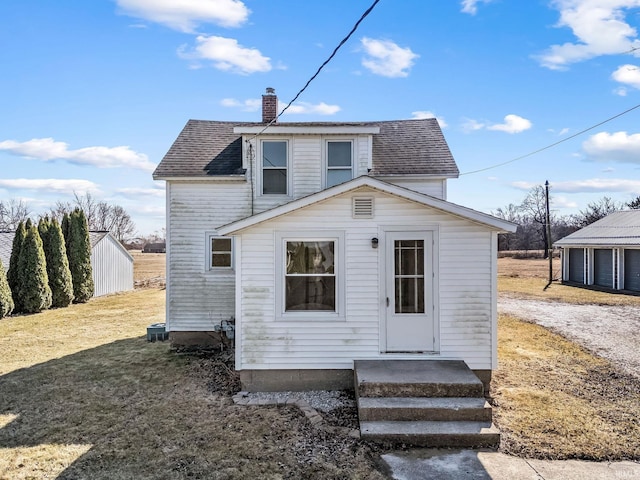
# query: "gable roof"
403 147
364 181
618 228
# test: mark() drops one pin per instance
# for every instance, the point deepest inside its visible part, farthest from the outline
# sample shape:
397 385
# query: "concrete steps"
432 403
433 434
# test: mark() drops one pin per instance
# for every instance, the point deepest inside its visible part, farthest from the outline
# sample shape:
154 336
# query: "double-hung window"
220 252
339 162
274 167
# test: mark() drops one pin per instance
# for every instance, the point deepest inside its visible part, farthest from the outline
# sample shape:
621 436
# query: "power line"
553 144
333 54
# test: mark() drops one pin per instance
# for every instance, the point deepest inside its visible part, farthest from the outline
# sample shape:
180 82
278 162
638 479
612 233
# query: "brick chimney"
269 105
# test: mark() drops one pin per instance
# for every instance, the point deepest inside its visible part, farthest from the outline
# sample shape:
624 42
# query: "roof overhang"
308 130
203 178
365 181
414 177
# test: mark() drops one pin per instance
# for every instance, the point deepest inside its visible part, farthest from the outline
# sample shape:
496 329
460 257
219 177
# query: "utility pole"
548 227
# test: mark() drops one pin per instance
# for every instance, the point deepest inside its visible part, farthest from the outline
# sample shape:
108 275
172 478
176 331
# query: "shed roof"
402 147
6 245
616 229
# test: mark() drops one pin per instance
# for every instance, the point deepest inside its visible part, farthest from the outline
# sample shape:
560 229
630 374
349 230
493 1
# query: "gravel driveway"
613 332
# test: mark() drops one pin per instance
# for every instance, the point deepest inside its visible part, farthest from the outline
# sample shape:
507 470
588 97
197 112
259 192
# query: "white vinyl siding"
112 267
307 165
198 296
436 187
464 305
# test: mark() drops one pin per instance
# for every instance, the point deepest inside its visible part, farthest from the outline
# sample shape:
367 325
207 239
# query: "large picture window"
274 167
310 276
339 163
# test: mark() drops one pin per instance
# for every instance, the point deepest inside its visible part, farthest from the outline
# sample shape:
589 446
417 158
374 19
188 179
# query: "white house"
327 243
605 253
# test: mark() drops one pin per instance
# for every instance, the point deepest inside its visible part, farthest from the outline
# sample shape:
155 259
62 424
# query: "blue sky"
93 93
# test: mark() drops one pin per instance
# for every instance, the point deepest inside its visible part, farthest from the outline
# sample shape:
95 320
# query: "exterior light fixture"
374 242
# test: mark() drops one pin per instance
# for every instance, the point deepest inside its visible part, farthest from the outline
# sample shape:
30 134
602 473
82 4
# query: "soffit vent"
362 207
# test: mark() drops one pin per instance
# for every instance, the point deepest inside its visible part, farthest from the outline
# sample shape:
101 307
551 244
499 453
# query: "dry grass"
148 268
85 396
555 400
528 277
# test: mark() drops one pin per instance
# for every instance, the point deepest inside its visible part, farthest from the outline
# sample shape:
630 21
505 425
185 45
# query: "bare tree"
596 210
12 213
510 213
534 208
634 204
101 216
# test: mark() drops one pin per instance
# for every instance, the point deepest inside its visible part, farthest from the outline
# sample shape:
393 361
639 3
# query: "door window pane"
409 276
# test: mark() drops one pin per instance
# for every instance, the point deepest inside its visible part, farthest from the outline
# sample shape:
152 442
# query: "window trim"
210 236
260 168
325 158
281 239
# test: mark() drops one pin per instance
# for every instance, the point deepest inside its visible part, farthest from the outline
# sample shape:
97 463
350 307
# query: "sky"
93 93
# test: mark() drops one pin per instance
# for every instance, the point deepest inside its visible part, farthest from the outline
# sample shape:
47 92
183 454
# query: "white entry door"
409 291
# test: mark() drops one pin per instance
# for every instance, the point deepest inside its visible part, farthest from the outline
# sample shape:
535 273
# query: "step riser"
491 440
433 414
419 390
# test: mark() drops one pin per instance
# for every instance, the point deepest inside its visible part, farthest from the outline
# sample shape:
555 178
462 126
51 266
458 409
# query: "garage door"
603 267
632 270
576 265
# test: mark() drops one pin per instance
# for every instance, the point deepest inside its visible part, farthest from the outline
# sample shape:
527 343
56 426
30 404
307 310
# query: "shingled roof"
403 147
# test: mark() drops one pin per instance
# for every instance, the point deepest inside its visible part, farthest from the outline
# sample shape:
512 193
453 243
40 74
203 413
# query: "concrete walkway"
422 464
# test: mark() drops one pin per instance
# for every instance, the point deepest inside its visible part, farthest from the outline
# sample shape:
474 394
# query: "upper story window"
274 167
339 162
220 252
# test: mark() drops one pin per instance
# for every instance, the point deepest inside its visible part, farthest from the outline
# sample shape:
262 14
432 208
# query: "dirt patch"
611 331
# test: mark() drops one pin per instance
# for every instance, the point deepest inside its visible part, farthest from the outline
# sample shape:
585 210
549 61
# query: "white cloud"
386 58
512 124
627 74
620 91
617 147
471 6
593 185
308 108
141 192
608 170
249 105
600 29
185 15
101 157
563 202
227 55
420 114
471 125
55 185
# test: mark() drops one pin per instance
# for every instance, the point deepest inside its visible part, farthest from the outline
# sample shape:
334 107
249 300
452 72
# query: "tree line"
50 265
530 216
100 215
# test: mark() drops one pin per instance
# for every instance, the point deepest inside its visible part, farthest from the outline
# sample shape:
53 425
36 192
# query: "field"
85 396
